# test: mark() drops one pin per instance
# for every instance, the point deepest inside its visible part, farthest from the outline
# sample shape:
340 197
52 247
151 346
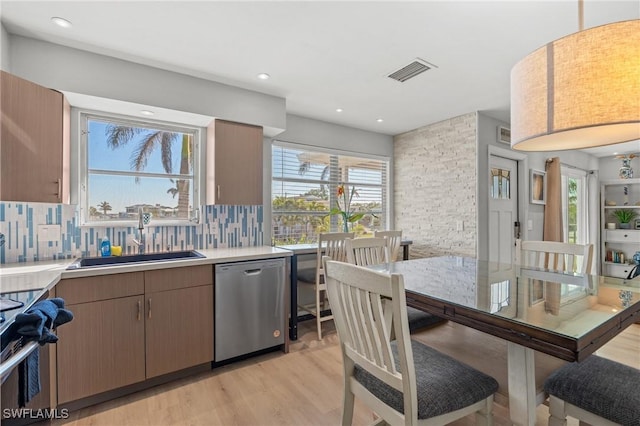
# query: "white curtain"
593 215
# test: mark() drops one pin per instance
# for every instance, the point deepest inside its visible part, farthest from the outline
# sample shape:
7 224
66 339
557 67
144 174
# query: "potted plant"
625 216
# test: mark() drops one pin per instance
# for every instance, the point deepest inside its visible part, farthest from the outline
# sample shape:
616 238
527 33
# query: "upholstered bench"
597 391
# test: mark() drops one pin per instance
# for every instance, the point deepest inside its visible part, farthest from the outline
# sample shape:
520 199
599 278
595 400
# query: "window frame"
385 186
582 234
84 115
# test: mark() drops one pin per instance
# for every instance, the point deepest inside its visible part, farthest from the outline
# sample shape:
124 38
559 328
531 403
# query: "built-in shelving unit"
625 193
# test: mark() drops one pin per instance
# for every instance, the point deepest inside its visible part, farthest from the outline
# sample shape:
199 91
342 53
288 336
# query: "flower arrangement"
343 207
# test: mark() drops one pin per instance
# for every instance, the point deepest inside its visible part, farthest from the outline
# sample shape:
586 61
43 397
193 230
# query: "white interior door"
503 208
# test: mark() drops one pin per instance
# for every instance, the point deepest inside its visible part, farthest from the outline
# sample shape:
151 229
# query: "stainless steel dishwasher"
249 307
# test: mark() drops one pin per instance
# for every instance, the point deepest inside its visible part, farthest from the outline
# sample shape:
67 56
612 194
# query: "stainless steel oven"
38 409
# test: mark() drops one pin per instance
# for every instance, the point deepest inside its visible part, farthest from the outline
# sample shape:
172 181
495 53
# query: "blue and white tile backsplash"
222 226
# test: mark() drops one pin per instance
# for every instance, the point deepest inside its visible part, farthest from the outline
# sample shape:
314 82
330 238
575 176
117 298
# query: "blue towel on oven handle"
29 378
37 323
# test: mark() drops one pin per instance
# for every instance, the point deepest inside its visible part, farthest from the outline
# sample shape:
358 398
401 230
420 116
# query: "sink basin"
89 262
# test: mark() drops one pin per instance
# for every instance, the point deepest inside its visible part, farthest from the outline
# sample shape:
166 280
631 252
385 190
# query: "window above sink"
128 165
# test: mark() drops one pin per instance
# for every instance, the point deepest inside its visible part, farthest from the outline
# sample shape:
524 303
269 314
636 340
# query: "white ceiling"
324 55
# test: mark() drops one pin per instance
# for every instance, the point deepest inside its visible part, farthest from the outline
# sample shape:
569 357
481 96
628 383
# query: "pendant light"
580 91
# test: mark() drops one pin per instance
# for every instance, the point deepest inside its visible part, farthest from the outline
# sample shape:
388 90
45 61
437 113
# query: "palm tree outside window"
134 165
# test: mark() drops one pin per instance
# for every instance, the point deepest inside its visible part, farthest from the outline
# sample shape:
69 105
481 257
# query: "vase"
625 225
626 172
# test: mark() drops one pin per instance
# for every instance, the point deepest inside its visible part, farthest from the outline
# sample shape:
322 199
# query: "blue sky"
121 191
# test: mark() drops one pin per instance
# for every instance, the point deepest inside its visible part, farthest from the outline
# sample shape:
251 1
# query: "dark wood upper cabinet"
234 163
34 143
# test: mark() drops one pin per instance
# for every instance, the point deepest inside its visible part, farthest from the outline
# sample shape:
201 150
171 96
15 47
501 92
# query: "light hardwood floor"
303 387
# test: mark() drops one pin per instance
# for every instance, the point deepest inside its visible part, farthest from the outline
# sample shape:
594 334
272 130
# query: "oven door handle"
12 362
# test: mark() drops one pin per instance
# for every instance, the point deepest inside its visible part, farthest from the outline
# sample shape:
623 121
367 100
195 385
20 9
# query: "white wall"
4 49
66 69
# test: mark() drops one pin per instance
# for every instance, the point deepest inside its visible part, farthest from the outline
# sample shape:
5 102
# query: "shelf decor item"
626 172
625 216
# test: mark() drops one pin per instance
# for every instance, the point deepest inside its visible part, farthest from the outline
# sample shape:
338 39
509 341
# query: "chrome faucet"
140 242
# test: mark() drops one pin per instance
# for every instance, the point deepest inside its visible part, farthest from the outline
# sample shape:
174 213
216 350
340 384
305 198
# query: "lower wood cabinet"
179 329
102 348
118 338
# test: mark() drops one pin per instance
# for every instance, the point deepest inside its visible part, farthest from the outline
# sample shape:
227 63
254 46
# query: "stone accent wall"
435 187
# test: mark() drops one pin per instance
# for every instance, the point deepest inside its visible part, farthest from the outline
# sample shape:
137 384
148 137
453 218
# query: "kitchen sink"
93 262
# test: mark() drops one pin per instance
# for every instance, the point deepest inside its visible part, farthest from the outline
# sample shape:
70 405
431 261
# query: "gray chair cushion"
601 386
307 275
419 319
443 384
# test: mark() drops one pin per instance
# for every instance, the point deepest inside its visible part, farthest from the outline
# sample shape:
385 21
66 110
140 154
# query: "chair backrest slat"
393 239
366 251
556 256
331 244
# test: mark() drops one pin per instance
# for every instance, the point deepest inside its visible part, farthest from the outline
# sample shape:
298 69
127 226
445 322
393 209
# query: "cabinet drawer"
100 287
623 236
620 270
175 278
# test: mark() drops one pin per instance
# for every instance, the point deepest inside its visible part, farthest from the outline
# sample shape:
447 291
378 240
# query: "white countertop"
44 275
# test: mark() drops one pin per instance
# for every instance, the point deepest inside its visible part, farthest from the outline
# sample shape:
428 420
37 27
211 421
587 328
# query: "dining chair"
367 251
597 391
402 380
331 244
558 257
393 239
417 319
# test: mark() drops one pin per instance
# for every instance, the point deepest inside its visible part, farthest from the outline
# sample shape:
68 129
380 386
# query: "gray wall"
328 135
4 49
66 69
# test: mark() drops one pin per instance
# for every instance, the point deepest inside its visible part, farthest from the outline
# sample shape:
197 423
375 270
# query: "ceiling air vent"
409 71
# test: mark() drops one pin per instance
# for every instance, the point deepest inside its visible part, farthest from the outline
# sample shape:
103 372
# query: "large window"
307 184
130 167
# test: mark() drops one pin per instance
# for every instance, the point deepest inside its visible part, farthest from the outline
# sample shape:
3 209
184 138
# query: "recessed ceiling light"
263 76
61 22
379 120
338 109
147 112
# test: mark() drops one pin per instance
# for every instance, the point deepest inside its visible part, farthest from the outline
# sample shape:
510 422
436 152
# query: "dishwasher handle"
250 272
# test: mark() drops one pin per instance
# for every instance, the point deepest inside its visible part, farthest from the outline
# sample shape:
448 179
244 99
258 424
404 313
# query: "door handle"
149 313
516 230
253 272
139 310
219 192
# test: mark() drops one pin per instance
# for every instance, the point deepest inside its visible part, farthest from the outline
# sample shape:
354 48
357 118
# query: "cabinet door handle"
219 192
139 310
59 193
149 315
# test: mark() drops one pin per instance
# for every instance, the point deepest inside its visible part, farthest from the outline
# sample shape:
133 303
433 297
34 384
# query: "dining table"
566 315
